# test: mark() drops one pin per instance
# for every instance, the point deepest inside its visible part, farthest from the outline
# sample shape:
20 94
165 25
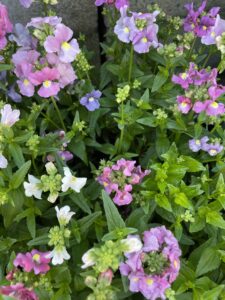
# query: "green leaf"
163 202
31 225
18 177
182 200
159 81
114 219
209 261
215 219
86 222
213 294
4 67
191 164
17 154
119 233
79 149
41 240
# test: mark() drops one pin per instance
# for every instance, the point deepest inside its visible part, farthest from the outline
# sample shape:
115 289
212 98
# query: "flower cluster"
201 144
58 236
53 182
51 71
9 117
118 3
19 292
153 268
138 28
201 91
5 26
120 178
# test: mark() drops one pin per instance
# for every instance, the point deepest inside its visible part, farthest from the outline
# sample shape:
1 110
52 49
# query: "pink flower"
123 197
184 104
19 292
40 22
60 43
46 77
118 3
5 25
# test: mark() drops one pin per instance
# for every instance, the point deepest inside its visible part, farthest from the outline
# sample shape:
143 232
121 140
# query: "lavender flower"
26 3
153 268
3 162
198 144
22 37
214 148
125 26
91 100
9 117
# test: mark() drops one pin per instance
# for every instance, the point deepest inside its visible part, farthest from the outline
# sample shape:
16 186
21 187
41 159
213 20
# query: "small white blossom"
88 259
50 168
9 116
70 181
32 188
53 197
133 244
3 162
58 255
64 214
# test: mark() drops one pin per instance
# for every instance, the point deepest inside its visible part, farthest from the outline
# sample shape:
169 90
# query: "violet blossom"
5 26
91 100
19 292
26 3
118 3
198 144
153 268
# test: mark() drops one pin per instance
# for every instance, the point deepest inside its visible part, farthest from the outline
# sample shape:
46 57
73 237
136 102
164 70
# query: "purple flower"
46 77
123 197
22 37
125 26
60 43
8 116
184 104
152 269
65 155
3 162
196 145
118 3
40 22
19 292
213 108
5 26
91 100
216 91
26 3
145 39
183 79
214 149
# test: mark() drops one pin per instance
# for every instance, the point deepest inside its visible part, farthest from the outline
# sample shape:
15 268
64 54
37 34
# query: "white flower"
132 243
9 116
70 181
58 255
88 259
64 214
32 188
50 168
3 162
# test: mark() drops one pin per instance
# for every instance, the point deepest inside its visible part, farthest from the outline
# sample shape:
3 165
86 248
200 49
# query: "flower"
118 3
58 255
19 292
33 187
184 104
214 148
145 39
59 43
47 77
24 261
21 36
9 117
70 181
132 243
64 215
88 259
123 197
125 26
40 22
216 31
5 26
26 3
196 145
153 267
91 100
3 162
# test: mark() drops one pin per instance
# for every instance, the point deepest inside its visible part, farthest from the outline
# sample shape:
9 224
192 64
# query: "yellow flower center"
105 184
183 104
184 75
47 83
135 279
26 82
213 34
91 99
193 25
126 30
197 142
175 264
214 105
204 27
144 40
149 281
66 46
36 257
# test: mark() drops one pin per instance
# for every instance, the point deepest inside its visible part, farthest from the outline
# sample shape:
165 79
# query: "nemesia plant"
112 170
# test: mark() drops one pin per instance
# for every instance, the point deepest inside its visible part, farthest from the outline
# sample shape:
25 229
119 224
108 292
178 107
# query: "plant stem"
122 129
131 62
49 120
208 57
59 114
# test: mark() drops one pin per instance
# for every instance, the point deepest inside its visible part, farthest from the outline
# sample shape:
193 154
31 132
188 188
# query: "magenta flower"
19 292
60 43
152 269
5 26
146 39
47 77
120 178
214 32
91 100
33 261
9 116
184 104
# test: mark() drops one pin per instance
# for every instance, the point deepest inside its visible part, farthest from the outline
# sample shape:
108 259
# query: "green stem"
208 57
131 62
34 165
122 129
58 112
192 48
49 120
